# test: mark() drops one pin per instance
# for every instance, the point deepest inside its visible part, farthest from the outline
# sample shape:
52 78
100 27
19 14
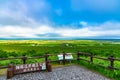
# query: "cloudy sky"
60 19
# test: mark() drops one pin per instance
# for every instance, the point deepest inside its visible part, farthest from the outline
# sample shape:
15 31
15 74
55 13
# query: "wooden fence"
79 57
110 59
24 68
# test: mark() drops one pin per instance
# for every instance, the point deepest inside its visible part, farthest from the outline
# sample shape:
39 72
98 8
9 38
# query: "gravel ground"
62 73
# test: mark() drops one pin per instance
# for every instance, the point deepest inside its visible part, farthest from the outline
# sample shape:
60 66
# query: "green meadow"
32 48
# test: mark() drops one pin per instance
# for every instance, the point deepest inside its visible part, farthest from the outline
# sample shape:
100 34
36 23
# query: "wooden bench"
25 68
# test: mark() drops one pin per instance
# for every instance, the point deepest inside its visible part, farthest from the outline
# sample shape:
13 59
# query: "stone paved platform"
62 73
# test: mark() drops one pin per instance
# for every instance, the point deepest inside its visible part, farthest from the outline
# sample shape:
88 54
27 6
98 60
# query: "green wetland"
32 48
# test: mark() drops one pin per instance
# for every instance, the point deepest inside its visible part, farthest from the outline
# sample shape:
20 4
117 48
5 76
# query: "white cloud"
16 12
83 23
87 31
19 31
109 25
21 12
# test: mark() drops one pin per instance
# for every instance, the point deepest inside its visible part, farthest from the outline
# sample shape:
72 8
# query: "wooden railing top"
10 58
100 58
37 57
21 58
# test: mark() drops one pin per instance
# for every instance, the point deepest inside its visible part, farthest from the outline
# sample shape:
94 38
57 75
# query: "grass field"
16 48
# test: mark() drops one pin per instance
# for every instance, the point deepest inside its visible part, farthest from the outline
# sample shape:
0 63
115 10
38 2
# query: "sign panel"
30 67
68 56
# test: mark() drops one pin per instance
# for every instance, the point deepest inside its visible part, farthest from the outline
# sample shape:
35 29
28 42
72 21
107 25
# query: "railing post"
91 57
46 57
111 58
64 58
48 66
46 61
78 56
10 71
24 58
